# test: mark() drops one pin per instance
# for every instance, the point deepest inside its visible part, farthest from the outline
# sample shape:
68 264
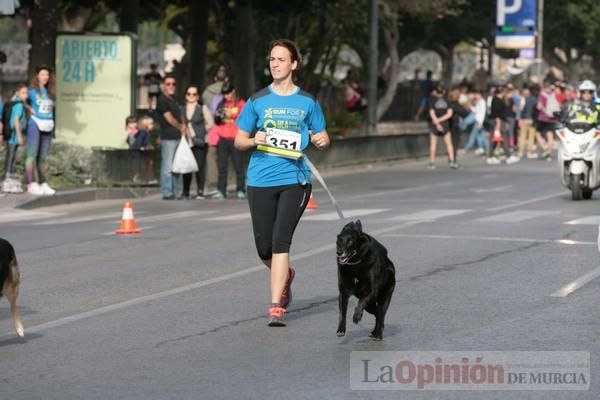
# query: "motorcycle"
579 158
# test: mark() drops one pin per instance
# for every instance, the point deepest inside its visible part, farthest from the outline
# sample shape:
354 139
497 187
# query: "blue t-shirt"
17 110
300 113
41 103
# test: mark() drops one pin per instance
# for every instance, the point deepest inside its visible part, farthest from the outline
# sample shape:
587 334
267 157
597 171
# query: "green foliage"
67 165
12 30
341 122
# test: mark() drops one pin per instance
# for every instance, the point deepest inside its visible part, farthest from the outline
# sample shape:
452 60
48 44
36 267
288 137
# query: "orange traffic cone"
127 221
312 204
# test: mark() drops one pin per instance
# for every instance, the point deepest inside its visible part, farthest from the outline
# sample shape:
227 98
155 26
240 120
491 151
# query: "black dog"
10 279
365 271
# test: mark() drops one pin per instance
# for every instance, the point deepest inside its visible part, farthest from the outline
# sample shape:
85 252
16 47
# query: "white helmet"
587 85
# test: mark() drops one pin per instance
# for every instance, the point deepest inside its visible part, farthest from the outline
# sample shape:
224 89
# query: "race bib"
46 106
282 143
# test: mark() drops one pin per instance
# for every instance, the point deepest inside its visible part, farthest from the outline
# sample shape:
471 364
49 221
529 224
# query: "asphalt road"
179 311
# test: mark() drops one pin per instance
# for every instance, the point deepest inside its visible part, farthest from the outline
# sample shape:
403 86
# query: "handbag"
184 161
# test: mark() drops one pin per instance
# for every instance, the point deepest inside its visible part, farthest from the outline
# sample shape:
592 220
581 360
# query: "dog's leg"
382 306
11 291
343 305
360 307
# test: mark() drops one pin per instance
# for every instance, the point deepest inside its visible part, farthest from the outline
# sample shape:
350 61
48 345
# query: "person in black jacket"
199 120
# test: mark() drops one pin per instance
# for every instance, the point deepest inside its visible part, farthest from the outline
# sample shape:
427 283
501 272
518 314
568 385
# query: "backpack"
6 113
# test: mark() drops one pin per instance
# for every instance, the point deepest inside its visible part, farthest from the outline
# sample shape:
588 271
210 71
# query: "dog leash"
322 182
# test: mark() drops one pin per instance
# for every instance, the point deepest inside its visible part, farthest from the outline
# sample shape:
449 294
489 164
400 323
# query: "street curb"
84 195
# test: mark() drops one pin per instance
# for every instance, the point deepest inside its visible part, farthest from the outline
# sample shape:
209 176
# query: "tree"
44 21
571 30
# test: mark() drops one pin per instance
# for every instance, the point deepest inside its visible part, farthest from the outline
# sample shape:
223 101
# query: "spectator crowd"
502 125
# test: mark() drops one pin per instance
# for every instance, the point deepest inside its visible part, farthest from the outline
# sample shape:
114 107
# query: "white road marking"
429 215
516 216
74 220
491 190
491 239
15 215
403 190
590 220
577 284
525 202
232 217
176 215
332 216
185 288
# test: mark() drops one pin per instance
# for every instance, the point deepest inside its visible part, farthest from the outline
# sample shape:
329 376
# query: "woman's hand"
260 138
320 140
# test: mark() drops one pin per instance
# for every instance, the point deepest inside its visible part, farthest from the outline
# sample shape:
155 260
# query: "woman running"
39 130
285 120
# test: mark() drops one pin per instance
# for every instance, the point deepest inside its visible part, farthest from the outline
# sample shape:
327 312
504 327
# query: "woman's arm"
243 141
320 140
446 116
209 122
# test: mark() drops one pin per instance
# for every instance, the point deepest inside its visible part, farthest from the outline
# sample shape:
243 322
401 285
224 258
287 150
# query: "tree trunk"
199 39
243 50
130 15
44 20
447 66
391 41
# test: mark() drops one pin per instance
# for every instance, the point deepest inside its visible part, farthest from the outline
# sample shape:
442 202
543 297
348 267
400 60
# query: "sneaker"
431 165
34 189
200 196
47 190
492 161
7 186
276 316
217 196
286 296
17 187
479 152
240 194
454 165
512 159
532 155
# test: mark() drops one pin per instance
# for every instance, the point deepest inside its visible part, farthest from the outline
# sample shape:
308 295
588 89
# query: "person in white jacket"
477 135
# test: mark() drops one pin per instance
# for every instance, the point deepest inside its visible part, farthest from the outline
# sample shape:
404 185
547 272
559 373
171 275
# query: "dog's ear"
358 225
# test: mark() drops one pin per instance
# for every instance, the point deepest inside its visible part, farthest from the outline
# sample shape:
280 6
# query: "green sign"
95 88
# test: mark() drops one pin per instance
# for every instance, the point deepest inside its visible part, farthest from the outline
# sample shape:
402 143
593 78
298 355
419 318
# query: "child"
16 126
146 123
137 140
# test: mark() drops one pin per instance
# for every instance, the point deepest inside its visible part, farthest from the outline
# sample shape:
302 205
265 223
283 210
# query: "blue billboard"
516 24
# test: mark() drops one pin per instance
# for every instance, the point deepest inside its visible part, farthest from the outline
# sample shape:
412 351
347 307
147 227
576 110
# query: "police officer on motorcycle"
584 109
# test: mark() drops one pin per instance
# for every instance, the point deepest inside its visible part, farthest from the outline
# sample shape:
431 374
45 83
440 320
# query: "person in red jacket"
225 117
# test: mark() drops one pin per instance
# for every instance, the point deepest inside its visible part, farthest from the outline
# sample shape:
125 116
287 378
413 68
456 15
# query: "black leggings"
200 156
275 214
225 148
10 162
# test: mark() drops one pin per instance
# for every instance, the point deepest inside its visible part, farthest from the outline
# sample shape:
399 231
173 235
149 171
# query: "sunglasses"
587 91
191 94
170 83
